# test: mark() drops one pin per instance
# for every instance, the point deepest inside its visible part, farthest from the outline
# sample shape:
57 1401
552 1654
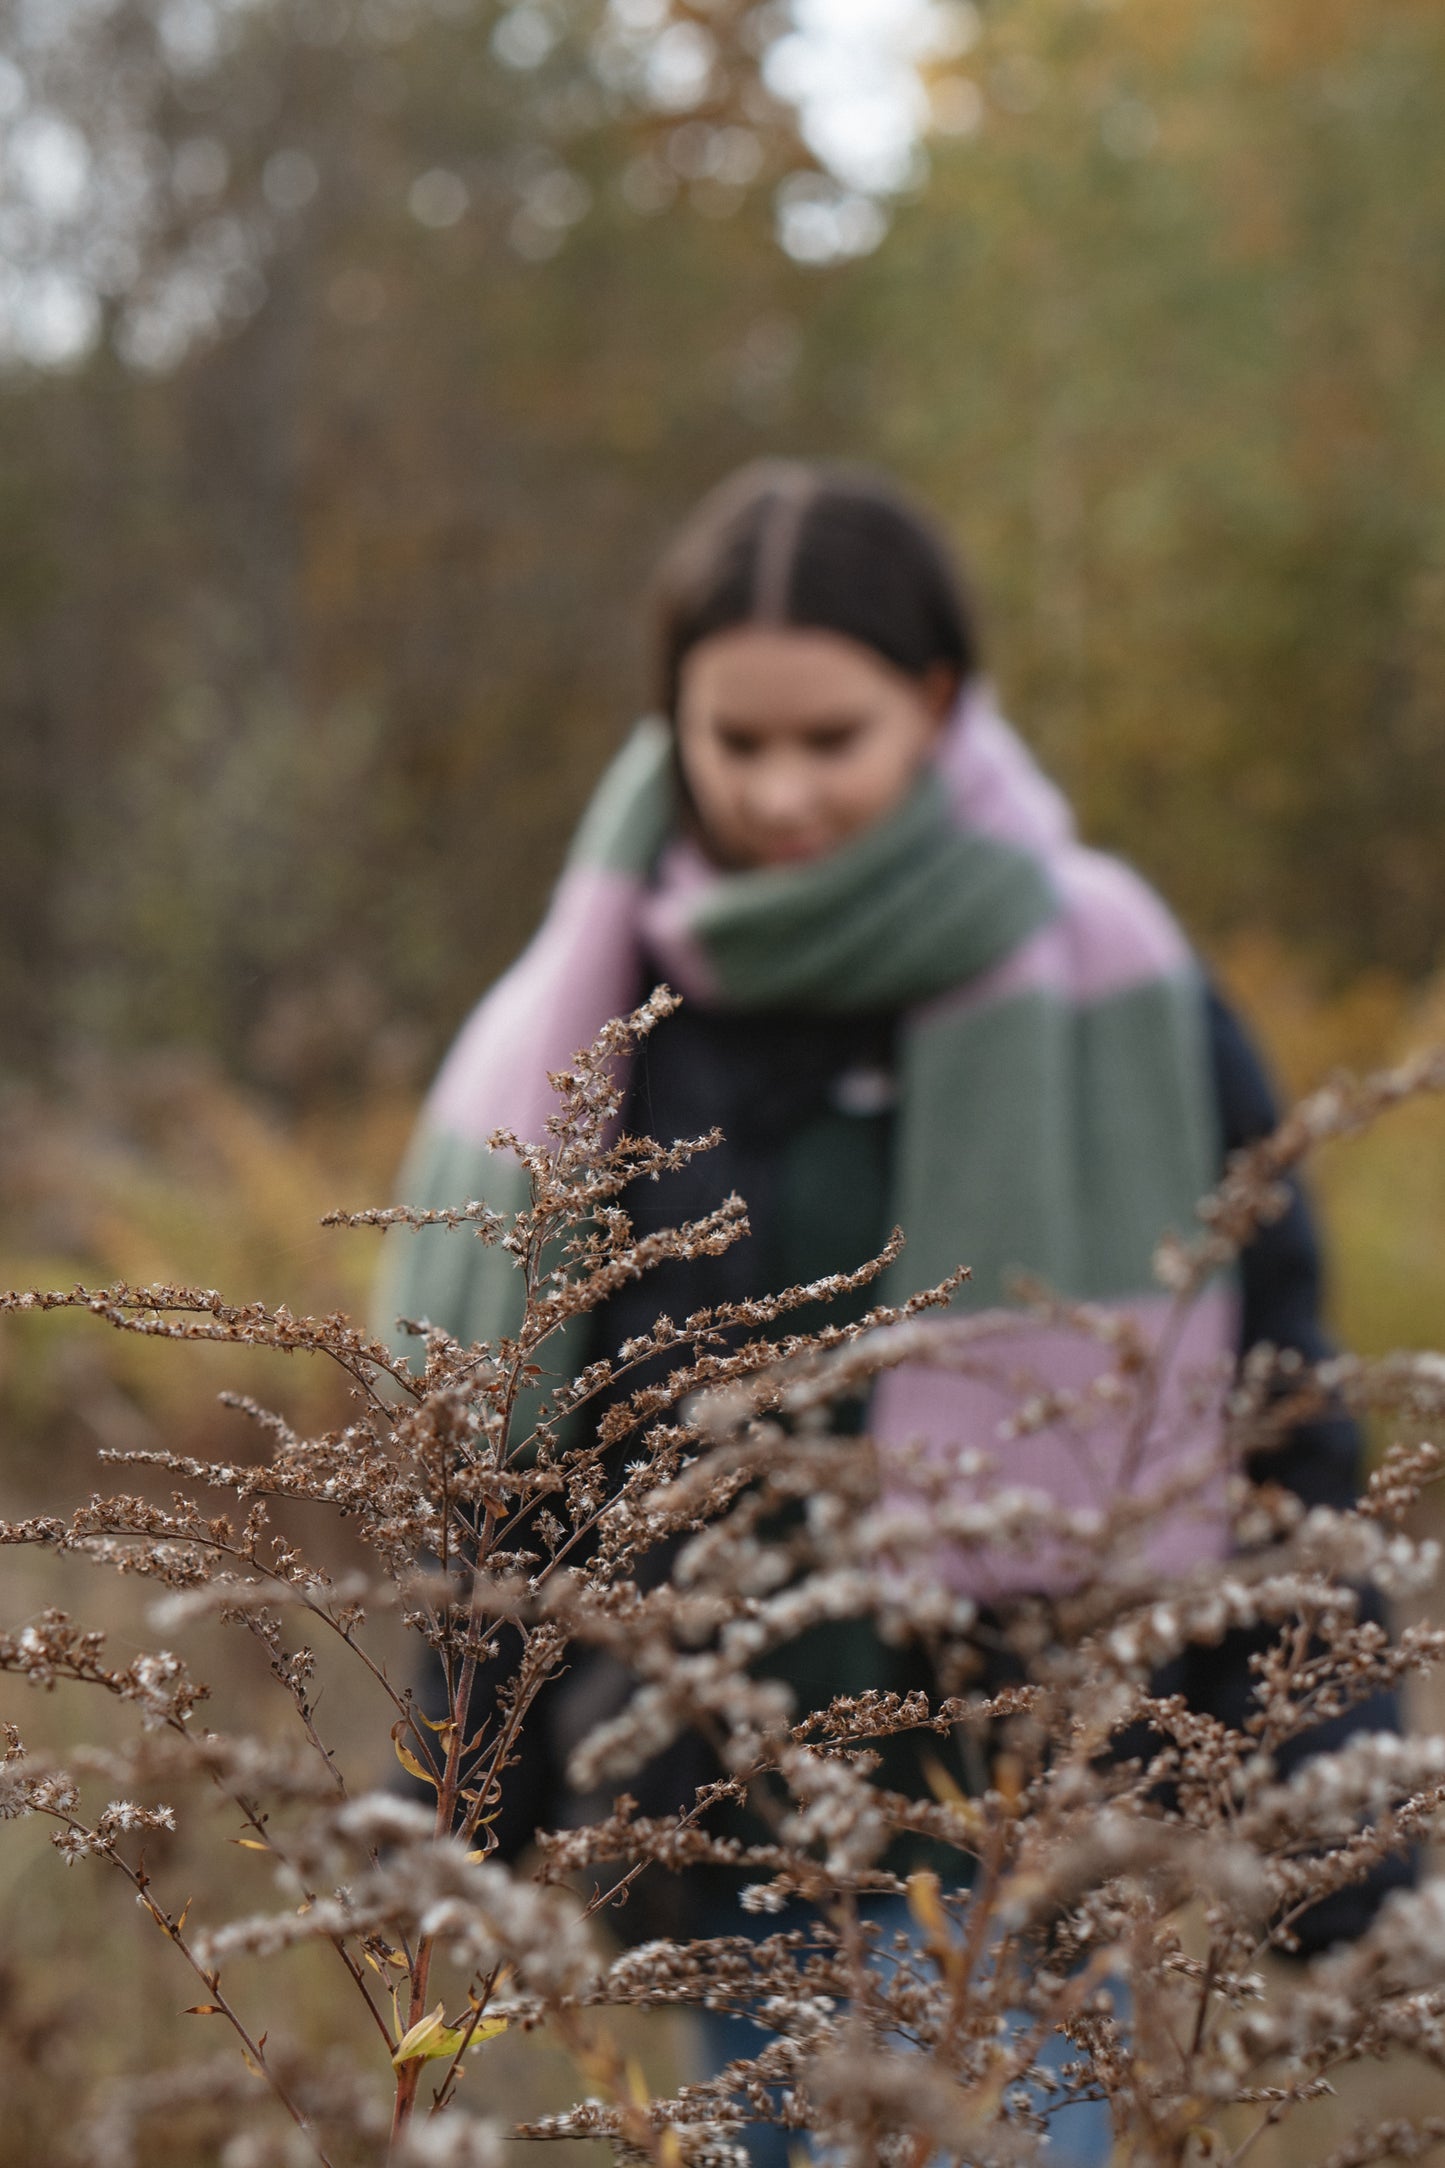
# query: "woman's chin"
754 854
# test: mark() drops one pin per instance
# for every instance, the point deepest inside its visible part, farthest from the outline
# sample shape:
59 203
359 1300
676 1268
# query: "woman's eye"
838 738
739 744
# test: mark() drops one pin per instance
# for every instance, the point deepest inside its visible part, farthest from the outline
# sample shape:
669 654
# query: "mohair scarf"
1055 1110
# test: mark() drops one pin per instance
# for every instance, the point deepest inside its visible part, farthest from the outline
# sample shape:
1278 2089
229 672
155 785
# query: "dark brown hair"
786 542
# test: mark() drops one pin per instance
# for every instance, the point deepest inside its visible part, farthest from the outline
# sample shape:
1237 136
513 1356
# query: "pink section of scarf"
1112 931
580 970
994 783
683 875
1167 1428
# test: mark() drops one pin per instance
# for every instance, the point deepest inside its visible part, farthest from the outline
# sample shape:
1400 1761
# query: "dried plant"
1116 1880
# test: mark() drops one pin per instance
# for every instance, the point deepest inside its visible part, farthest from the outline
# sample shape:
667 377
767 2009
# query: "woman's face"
792 740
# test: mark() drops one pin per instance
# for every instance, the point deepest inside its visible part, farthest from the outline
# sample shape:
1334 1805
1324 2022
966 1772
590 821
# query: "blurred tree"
333 648
1180 379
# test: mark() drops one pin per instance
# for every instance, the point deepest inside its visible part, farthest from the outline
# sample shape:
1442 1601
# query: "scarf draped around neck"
1055 1111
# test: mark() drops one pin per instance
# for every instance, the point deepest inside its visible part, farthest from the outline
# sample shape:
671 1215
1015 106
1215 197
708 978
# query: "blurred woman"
911 997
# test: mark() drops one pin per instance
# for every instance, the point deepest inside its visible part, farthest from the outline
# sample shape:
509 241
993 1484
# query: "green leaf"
431 2036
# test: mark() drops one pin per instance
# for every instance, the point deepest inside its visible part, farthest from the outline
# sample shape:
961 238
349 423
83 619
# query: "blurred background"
356 357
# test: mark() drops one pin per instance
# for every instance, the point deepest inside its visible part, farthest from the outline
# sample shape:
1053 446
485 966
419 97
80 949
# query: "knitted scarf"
1055 1107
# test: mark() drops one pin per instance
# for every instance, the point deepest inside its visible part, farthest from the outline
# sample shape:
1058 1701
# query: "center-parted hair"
832 549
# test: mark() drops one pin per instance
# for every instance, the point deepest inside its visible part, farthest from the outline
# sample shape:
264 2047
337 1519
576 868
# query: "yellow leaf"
411 1765
637 2084
203 2009
669 2148
926 1906
251 1844
1008 1780
420 2039
431 2036
949 1794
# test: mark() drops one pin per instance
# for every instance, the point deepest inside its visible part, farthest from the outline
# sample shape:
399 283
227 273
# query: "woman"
911 996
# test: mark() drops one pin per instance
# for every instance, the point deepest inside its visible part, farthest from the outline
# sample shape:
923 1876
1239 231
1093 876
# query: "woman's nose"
782 794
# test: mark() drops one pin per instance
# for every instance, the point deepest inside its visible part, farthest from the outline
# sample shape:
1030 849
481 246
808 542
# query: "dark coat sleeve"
1321 1461
1281 1281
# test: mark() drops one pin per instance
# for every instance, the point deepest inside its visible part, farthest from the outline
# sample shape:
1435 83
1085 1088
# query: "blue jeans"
1080 2135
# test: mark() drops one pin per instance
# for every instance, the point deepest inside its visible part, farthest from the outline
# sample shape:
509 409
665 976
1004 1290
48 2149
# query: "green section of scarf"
446 1276
1055 1140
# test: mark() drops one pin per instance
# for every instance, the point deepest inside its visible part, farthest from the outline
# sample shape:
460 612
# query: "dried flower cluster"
1114 1879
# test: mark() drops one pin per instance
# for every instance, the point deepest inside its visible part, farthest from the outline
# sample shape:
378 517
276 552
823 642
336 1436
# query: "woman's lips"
793 850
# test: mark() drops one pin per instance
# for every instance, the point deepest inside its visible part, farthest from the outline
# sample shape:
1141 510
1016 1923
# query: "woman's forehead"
782 674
